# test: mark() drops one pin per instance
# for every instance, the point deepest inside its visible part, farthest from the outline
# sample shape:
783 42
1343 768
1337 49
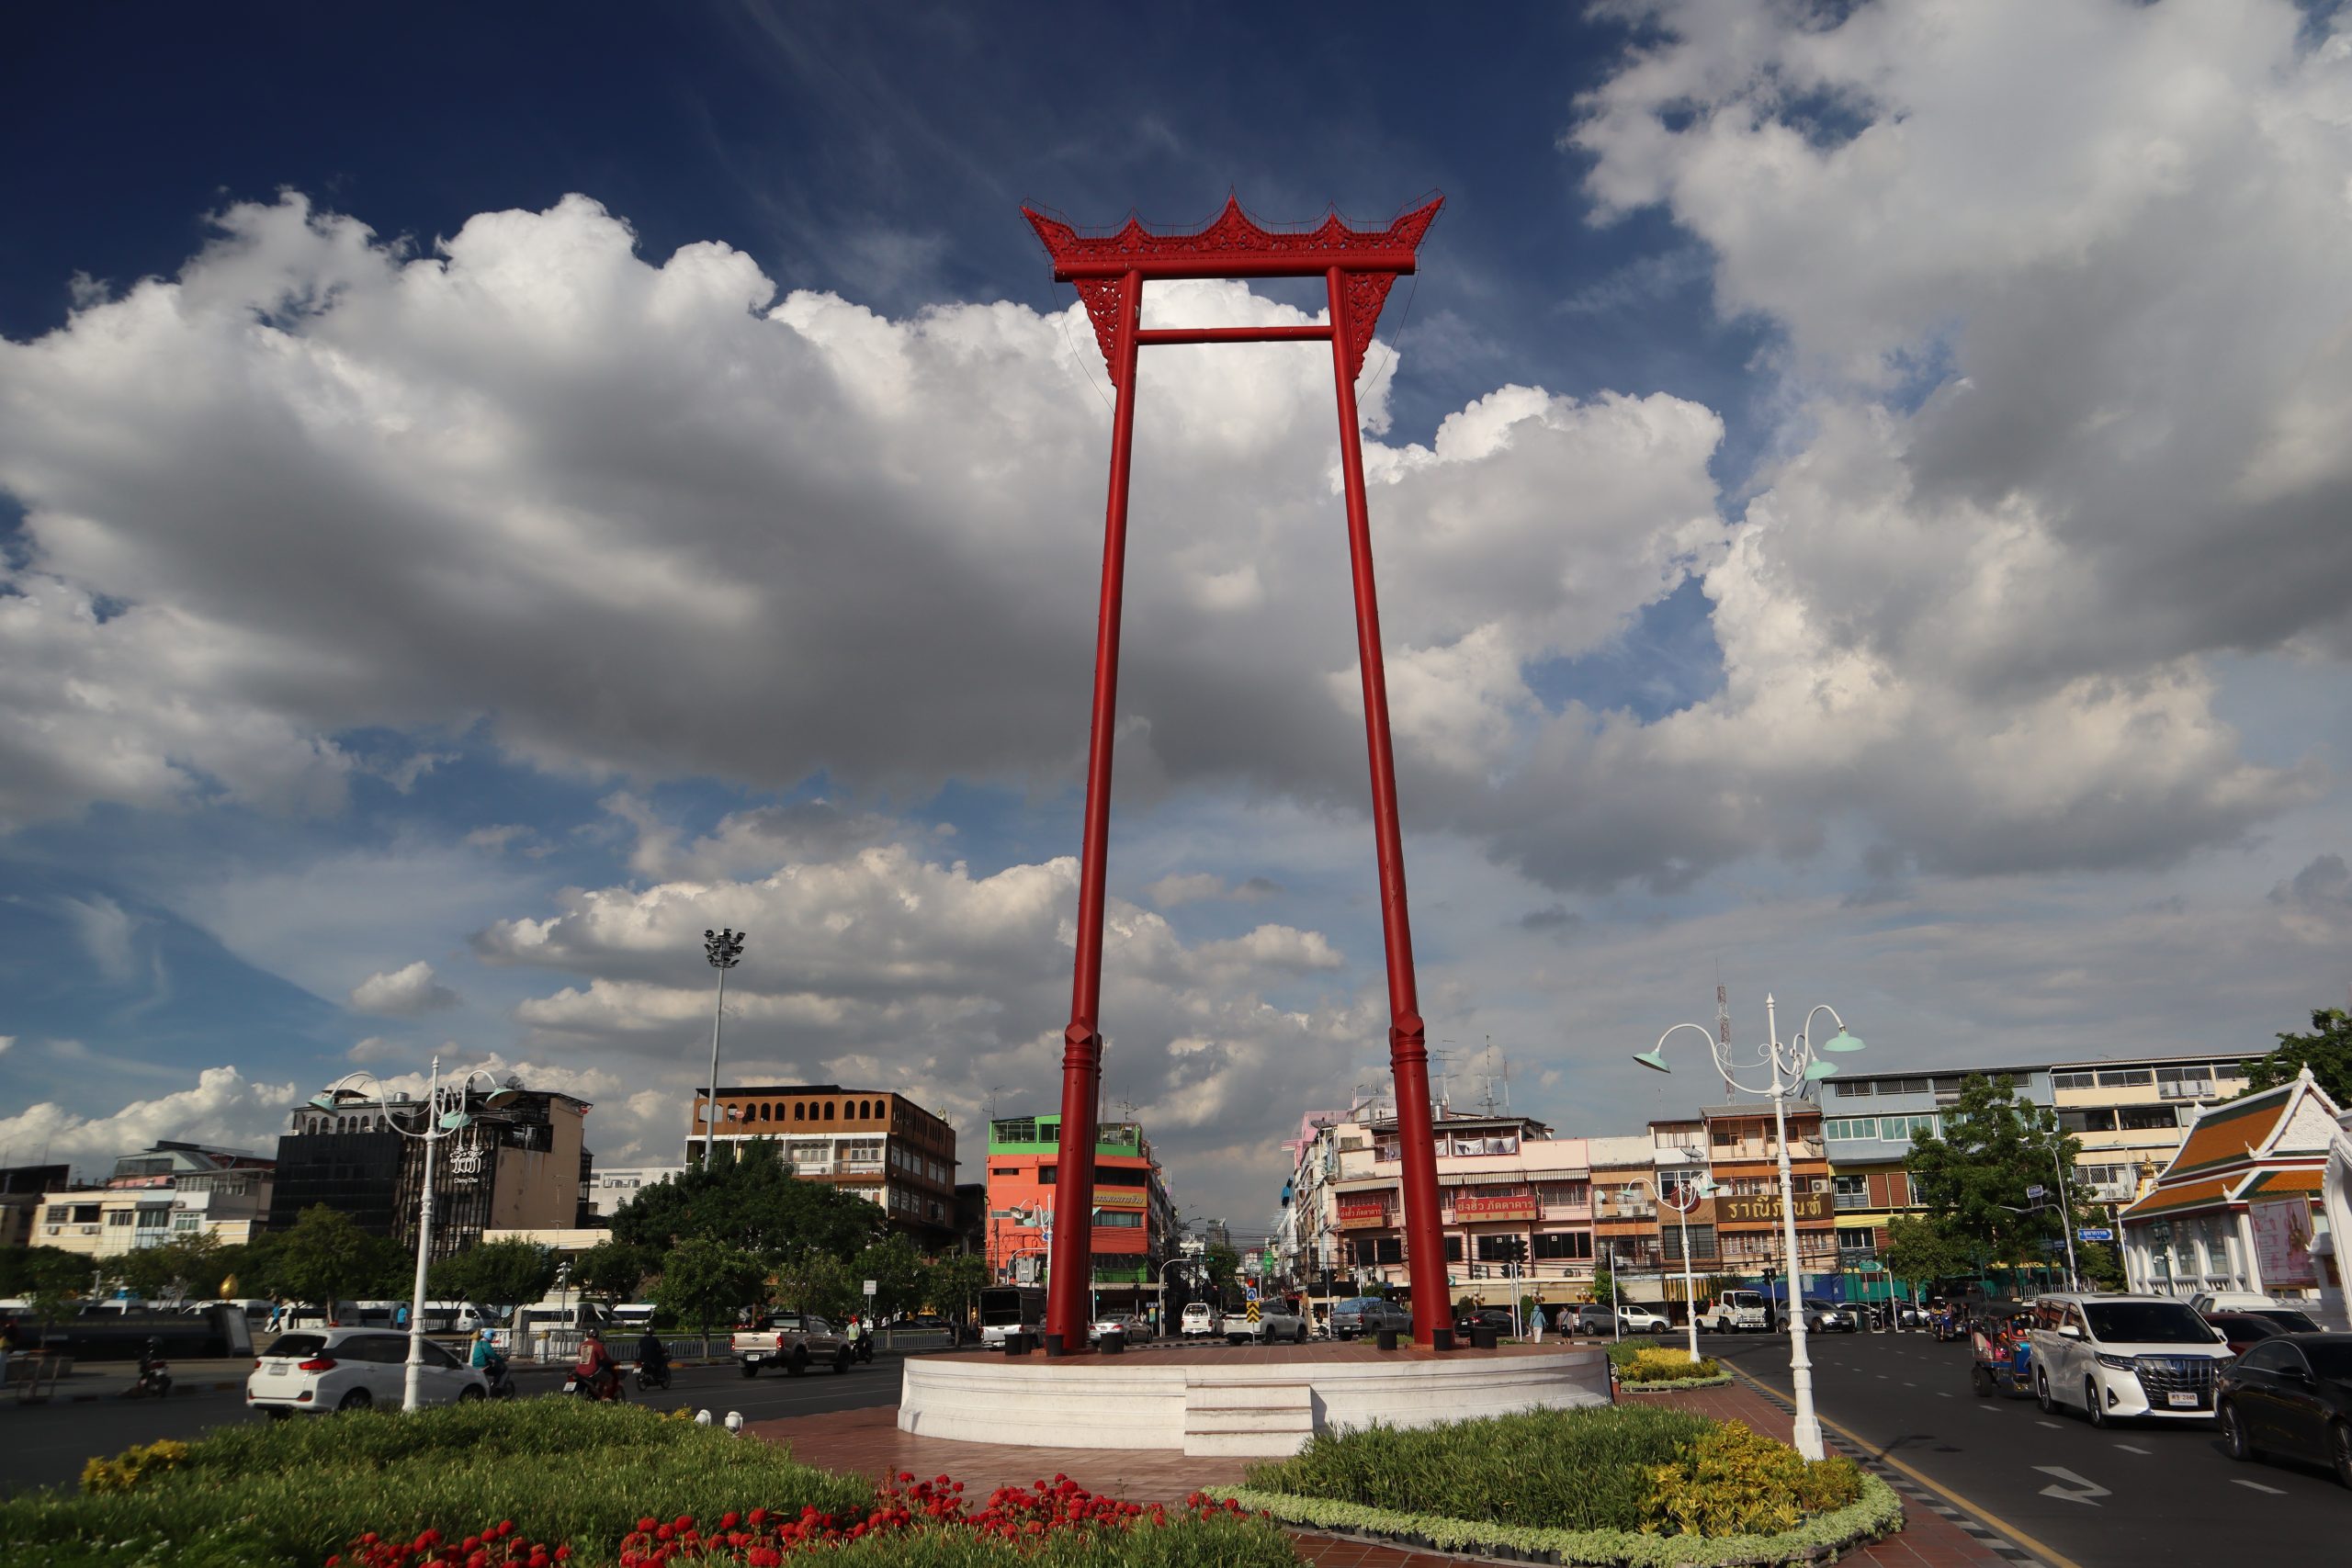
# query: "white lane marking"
2130 1449
2080 1489
2256 1486
2052 1424
1942 1394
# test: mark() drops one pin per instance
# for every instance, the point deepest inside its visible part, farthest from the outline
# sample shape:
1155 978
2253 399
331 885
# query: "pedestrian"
400 1318
1538 1316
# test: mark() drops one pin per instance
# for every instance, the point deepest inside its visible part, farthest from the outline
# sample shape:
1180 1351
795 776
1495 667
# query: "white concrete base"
1205 1407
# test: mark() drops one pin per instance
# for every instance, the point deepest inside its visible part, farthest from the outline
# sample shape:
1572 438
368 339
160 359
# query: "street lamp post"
1692 1194
1794 1066
724 948
445 1114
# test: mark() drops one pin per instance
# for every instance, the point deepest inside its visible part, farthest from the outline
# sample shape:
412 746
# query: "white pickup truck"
1275 1323
794 1341
1733 1311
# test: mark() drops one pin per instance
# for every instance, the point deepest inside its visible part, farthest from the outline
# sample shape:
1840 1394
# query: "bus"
1017 1308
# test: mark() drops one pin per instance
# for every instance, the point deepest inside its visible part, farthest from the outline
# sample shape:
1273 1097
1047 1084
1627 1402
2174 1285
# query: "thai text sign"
2282 1243
1813 1208
1118 1198
1362 1213
1466 1207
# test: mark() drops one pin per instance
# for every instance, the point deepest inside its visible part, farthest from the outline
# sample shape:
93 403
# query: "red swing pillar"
1358 268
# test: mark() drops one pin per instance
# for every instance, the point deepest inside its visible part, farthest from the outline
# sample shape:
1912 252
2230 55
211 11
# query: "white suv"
1200 1321
2124 1355
353 1368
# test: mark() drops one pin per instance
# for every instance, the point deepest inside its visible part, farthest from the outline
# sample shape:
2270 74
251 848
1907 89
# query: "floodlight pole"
724 948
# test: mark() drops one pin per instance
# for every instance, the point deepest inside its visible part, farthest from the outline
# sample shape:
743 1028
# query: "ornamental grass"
1666 1366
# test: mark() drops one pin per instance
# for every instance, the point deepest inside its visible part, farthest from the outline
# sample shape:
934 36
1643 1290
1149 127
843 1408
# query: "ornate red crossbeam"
1359 266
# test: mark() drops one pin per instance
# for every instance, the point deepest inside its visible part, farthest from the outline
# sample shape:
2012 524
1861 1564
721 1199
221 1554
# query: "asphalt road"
47 1444
2135 1494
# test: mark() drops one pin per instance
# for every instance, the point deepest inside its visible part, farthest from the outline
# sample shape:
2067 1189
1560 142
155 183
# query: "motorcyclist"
652 1355
596 1366
861 1342
152 1374
487 1361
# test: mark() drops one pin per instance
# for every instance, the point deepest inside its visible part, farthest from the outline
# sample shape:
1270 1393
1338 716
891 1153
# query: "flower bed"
1638 1486
547 1484
1651 1368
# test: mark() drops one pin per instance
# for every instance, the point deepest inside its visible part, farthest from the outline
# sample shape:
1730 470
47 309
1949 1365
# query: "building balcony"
1857 1201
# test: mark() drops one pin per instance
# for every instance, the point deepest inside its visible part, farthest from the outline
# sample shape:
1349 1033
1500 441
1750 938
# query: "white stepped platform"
1254 1418
1205 1404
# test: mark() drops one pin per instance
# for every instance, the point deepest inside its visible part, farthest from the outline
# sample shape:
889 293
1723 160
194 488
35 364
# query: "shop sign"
1813 1208
1362 1213
1118 1198
1467 1208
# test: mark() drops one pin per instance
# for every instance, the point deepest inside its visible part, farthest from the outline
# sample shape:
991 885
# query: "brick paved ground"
868 1442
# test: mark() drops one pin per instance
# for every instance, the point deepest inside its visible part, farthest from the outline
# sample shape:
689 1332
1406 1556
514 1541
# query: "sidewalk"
107 1380
868 1442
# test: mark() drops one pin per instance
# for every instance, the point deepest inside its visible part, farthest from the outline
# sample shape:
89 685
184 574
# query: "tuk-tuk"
2000 1355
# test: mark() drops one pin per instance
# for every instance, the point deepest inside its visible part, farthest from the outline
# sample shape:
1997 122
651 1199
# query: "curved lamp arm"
1655 1057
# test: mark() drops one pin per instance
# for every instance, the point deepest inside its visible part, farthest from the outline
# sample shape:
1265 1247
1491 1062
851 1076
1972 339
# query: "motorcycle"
652 1377
604 1387
502 1382
155 1378
865 1348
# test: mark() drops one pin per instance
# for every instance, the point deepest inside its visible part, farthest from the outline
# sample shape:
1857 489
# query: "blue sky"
490 492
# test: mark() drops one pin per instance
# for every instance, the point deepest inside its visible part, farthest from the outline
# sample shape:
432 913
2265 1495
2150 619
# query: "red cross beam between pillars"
1358 267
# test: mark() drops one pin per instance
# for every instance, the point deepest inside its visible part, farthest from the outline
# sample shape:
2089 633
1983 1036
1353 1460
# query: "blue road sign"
2094 1233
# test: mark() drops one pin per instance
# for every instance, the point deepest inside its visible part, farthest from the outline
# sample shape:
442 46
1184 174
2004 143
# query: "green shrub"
1621 1352
1581 1470
287 1495
1666 1366
1735 1481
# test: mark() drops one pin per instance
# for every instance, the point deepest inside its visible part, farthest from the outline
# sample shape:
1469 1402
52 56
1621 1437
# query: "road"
47 1444
2135 1494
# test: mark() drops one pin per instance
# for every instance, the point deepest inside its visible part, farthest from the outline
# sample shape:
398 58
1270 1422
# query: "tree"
898 1272
184 1266
1604 1285
749 1200
815 1280
1919 1252
2327 1050
705 1282
327 1259
494 1274
1974 1177
49 1277
614 1270
953 1282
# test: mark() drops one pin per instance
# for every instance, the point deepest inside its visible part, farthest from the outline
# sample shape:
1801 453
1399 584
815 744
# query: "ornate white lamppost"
443 1114
1794 1066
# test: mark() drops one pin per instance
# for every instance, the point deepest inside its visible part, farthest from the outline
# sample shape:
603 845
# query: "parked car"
1824 1316
1275 1322
1200 1321
1127 1324
351 1368
2291 1396
1644 1320
1733 1311
1495 1318
2244 1329
1368 1315
2230 1301
2120 1356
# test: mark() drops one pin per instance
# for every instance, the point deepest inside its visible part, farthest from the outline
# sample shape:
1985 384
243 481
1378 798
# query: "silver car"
1829 1318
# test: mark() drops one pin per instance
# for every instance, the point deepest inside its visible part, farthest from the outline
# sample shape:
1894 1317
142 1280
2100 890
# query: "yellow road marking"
2055 1559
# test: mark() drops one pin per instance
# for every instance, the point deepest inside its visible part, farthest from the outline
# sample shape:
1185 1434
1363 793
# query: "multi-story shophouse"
1508 1190
168 1190
1744 1156
877 1143
2128 1114
1133 1226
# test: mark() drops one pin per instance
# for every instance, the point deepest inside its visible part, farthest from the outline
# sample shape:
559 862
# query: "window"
2125 1077
1564 1245
1903 1129
1379 1250
1854 1192
1852 1090
2142 1118
1116 1218
2086 1121
797 1109
1849 1129
1860 1238
1454 1249
828 1111
1496 1249
2232 1070
1702 1243
1906 1086
2073 1080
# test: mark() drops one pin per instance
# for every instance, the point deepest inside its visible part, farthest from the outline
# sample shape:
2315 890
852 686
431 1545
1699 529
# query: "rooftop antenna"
988 1104
1723 1026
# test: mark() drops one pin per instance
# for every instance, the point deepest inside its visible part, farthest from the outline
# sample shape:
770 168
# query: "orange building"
1133 1218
